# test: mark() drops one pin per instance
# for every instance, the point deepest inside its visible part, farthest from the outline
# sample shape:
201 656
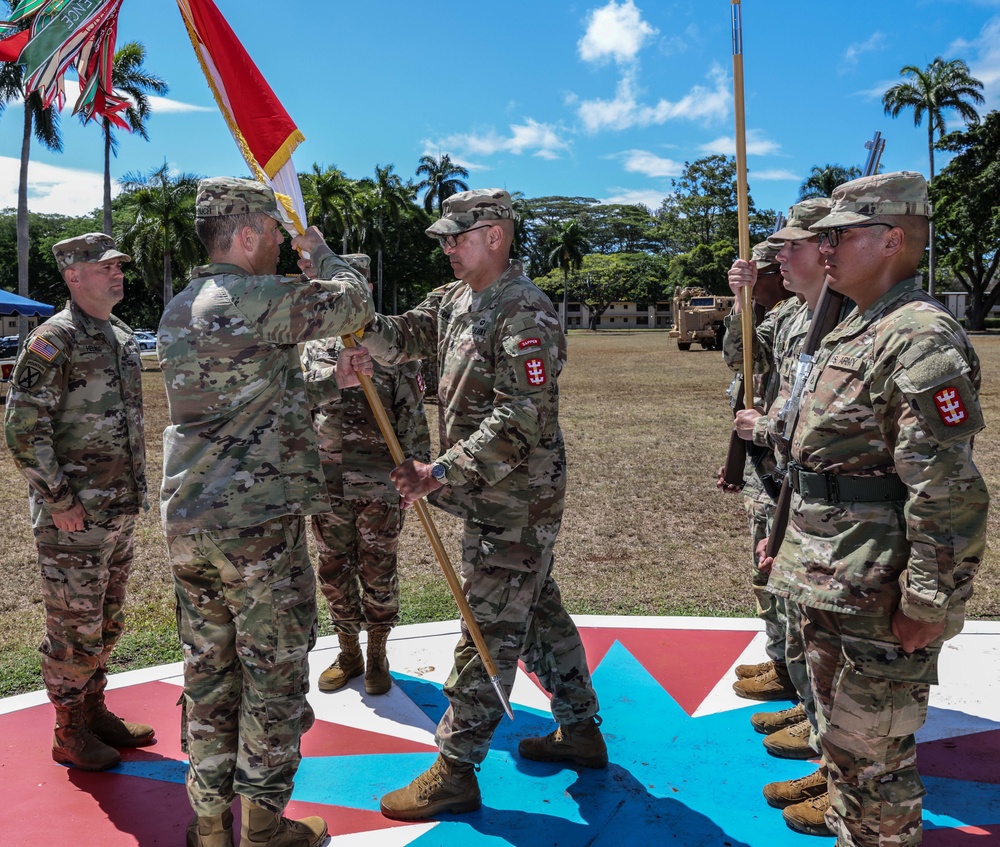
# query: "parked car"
8 347
145 340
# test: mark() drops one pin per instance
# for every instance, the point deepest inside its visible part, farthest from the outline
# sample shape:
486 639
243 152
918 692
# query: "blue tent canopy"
14 304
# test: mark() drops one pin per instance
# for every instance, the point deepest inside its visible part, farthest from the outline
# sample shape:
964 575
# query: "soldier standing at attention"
500 350
74 426
359 538
888 516
240 472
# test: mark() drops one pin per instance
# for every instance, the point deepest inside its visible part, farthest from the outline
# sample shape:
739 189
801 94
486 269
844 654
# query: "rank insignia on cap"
950 407
42 348
535 369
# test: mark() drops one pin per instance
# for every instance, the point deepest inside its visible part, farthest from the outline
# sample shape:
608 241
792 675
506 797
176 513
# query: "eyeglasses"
451 241
833 234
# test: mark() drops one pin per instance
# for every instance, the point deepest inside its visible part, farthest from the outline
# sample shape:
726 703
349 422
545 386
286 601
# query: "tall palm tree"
128 76
159 210
930 91
385 199
569 247
823 179
442 179
44 124
330 199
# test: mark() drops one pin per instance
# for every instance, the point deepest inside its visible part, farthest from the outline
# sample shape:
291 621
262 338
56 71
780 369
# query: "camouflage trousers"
357 543
870 700
507 578
84 576
798 670
246 618
770 608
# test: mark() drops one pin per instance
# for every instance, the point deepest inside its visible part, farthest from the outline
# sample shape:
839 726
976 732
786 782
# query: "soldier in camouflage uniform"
74 426
358 539
791 733
888 515
240 471
500 349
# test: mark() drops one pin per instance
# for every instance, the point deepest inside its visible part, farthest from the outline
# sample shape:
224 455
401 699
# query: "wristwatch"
438 471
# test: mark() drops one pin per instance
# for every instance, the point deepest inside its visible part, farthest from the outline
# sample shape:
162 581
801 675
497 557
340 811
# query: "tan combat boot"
449 786
750 671
110 728
264 827
768 722
808 817
349 664
792 742
74 744
580 743
377 677
791 791
211 830
774 684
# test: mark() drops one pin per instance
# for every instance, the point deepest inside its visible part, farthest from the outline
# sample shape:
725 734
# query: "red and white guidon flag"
263 130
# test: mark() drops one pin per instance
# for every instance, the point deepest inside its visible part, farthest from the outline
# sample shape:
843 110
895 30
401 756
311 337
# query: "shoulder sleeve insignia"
950 406
534 370
40 347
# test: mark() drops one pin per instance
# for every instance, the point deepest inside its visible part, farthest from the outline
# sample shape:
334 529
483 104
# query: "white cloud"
649 164
624 111
615 31
858 48
538 139
774 174
757 145
984 61
52 189
157 105
650 198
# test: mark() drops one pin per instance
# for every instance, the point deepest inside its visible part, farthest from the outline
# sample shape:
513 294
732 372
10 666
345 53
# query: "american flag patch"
42 348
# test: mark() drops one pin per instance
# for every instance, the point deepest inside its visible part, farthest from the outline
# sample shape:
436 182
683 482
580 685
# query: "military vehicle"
698 318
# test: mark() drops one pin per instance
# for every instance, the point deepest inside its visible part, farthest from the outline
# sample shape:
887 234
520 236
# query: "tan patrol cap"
464 210
361 262
228 195
800 217
764 254
860 200
92 247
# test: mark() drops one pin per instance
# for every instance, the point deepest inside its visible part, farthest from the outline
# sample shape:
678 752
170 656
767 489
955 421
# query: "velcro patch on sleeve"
43 348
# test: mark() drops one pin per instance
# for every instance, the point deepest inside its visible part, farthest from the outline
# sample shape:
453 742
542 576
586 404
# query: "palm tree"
941 85
159 211
822 180
385 199
128 76
569 247
331 201
442 180
44 123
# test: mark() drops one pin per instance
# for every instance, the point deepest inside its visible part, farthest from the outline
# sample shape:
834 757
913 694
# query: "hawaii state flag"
263 130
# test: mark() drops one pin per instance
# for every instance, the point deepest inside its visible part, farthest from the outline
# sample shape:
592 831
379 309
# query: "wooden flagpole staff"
742 202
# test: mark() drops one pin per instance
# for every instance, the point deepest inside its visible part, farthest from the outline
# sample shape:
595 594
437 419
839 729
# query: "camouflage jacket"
240 447
894 391
768 350
74 419
500 352
355 457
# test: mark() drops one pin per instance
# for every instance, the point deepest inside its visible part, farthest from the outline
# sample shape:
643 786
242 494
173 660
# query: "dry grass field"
645 532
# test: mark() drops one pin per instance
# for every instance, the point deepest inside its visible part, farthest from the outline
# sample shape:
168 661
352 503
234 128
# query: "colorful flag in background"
264 132
63 32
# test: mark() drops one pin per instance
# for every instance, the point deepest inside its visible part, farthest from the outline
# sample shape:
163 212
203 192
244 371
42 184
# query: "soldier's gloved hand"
742 274
352 361
413 480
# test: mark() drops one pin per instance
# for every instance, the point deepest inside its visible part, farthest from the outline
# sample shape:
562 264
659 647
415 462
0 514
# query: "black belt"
834 488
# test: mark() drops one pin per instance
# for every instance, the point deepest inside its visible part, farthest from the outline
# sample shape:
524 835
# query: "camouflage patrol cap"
800 217
92 247
464 211
361 262
764 253
860 200
228 195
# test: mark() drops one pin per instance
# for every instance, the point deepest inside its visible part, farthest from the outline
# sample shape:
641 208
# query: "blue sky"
597 99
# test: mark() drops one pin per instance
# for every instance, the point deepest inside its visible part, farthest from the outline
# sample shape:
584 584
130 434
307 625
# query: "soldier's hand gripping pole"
385 425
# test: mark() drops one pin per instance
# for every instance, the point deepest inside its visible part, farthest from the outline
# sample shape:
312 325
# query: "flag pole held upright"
742 202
